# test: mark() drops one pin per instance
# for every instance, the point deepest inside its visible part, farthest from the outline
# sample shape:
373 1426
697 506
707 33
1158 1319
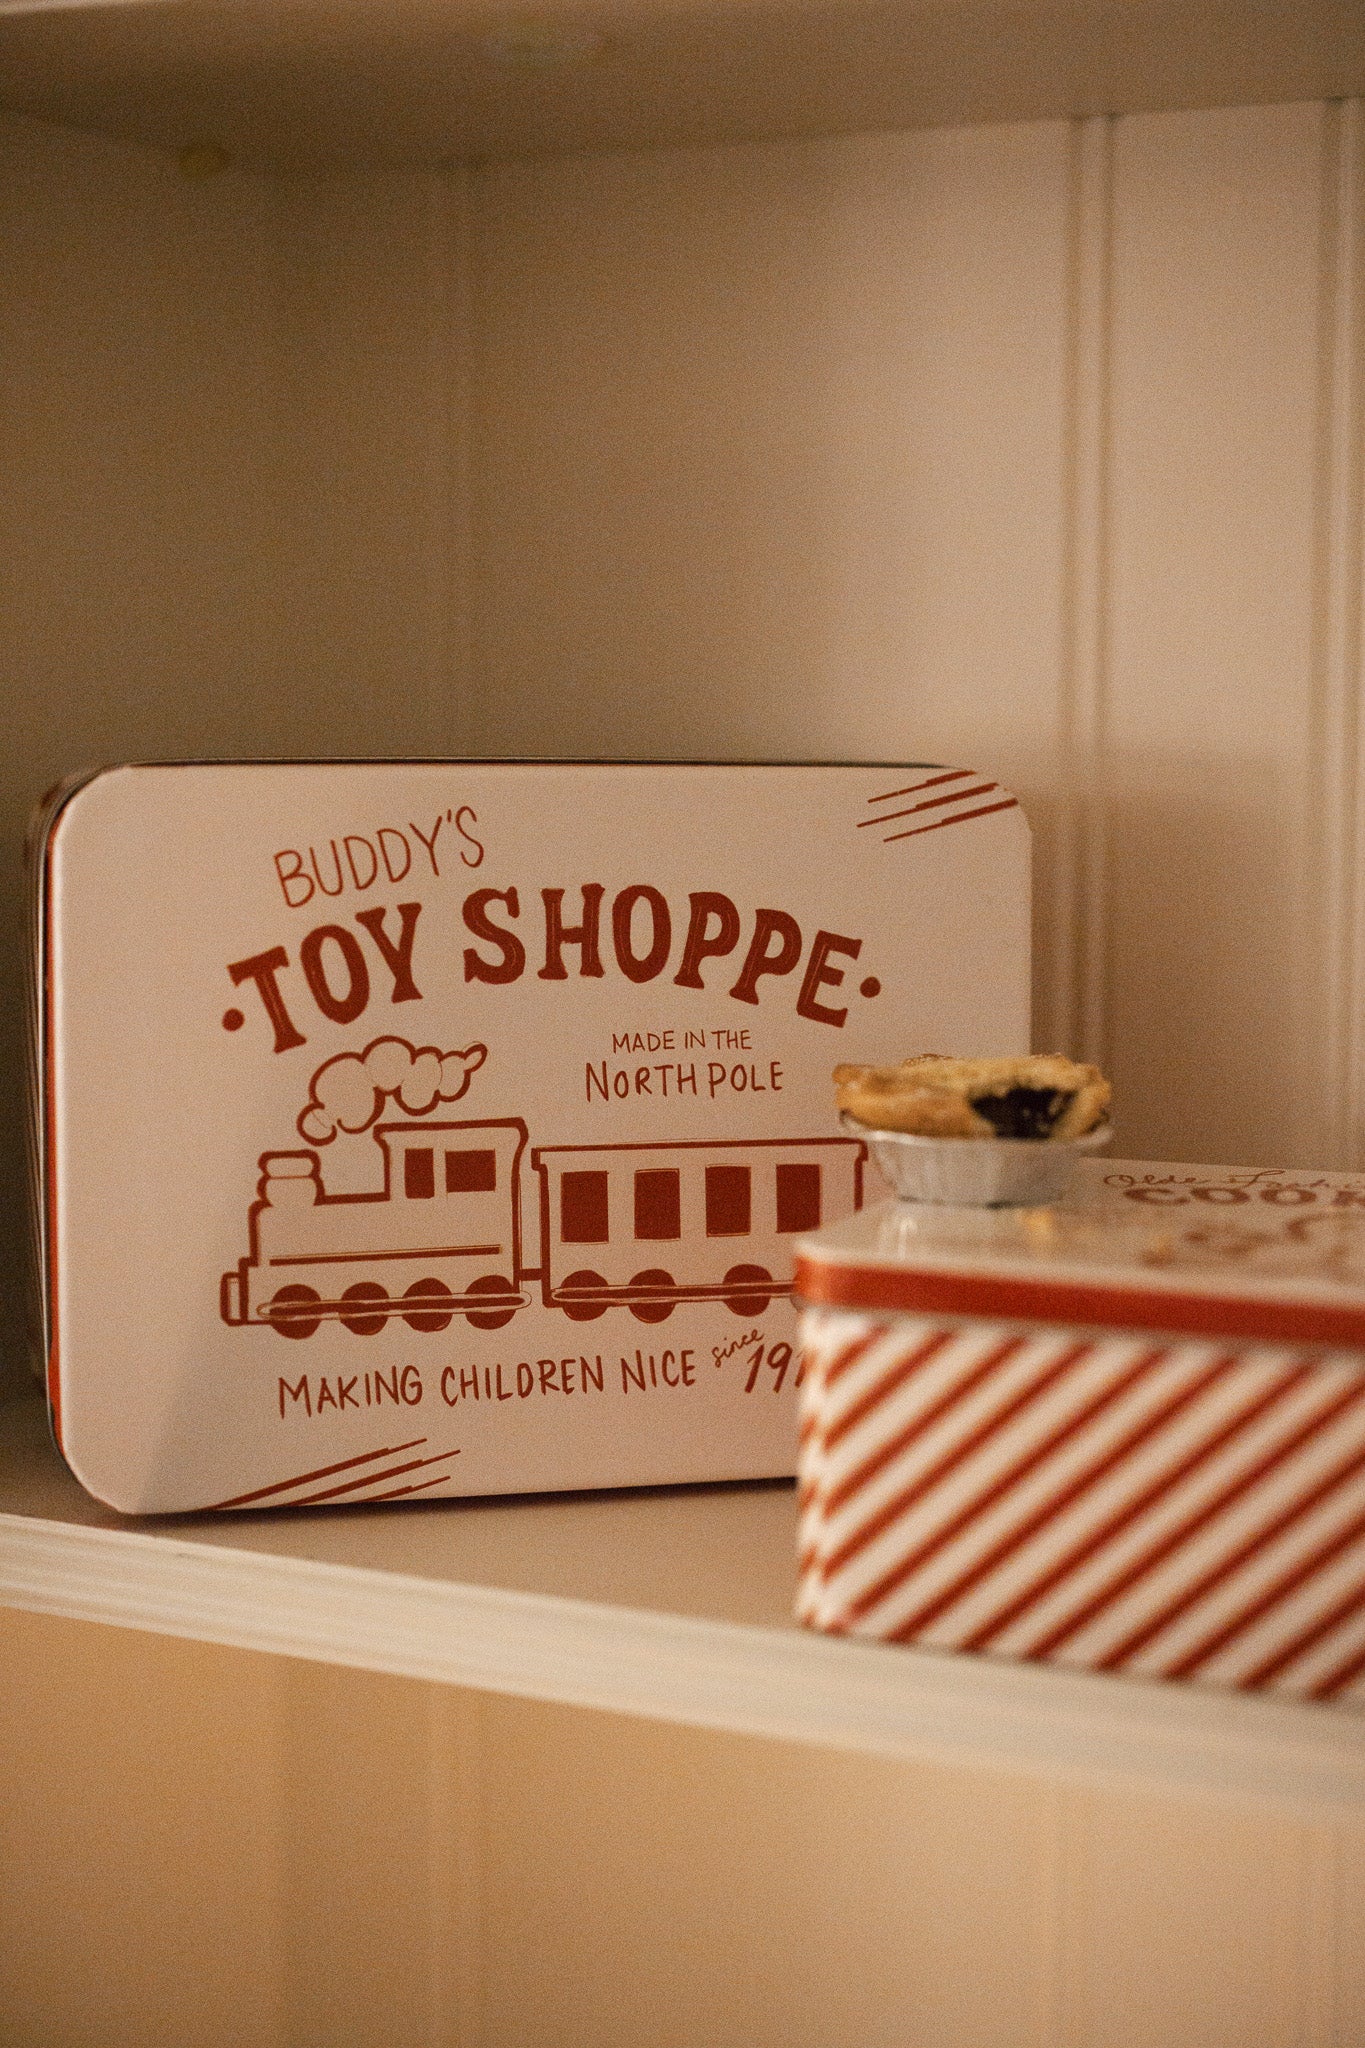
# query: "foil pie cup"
985 1173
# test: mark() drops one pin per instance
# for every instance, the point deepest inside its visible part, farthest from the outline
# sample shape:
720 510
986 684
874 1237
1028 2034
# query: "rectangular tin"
409 1129
1123 1434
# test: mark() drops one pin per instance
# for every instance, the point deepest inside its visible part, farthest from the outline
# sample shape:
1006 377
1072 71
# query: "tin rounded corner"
48 1368
1014 818
102 1490
70 800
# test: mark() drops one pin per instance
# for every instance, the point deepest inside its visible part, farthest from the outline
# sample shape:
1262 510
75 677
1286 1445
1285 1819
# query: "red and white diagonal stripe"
1176 1509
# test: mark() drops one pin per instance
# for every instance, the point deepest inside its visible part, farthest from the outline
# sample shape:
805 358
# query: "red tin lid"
1264 1254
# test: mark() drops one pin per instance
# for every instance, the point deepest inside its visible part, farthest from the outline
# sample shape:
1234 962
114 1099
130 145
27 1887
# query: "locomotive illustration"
458 1226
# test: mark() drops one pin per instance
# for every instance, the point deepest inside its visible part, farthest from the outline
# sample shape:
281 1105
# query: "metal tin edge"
40 1290
1093 1304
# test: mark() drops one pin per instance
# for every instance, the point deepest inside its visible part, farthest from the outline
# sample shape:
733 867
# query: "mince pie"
1035 1095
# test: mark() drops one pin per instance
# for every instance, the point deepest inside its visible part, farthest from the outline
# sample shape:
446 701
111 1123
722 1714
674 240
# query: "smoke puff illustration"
347 1093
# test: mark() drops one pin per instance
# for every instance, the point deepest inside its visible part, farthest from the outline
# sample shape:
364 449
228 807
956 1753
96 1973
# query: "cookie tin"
1124 1434
410 1130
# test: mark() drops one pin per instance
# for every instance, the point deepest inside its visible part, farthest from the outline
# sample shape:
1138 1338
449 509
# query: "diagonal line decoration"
1075 1489
845 1360
931 782
1097 1539
405 1492
1338 1679
919 1425
932 803
1233 1562
372 1479
241 1500
831 1500
981 1503
1010 803
896 1376
1279 1590
1175 1539
893 1510
950 801
1307 1639
999 1418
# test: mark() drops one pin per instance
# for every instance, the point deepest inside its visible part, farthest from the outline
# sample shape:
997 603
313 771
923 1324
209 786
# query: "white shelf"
347 83
672 1605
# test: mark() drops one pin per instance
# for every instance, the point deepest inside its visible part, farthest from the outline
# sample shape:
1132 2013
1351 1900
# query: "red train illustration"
642 1227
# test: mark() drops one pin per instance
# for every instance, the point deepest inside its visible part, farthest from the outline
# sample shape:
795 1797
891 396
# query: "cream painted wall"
1032 447
232 442
1037 447
208 1848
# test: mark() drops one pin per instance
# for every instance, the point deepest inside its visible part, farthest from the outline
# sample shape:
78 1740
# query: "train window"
727 1201
583 1209
471 1173
419 1173
658 1202
798 1195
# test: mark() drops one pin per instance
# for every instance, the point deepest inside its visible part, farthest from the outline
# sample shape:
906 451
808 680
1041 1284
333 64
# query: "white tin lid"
1264 1254
440 1127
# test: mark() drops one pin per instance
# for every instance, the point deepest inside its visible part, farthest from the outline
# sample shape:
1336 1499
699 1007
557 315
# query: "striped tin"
1124 1434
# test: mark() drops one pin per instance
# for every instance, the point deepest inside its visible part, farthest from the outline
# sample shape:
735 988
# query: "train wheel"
645 1283
428 1313
740 1277
493 1285
368 1323
289 1311
582 1311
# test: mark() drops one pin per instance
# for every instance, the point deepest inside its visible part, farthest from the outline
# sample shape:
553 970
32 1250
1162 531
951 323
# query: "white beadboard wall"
206 1848
1038 448
1033 447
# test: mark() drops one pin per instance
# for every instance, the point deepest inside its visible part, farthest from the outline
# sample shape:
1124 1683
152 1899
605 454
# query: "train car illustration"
649 1226
642 1227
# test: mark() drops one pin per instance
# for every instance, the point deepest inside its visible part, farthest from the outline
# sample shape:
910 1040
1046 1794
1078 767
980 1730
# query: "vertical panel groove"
455 1872
1078 969
446 666
478 209
1053 1976
440 1890
1337 663
1320 1920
